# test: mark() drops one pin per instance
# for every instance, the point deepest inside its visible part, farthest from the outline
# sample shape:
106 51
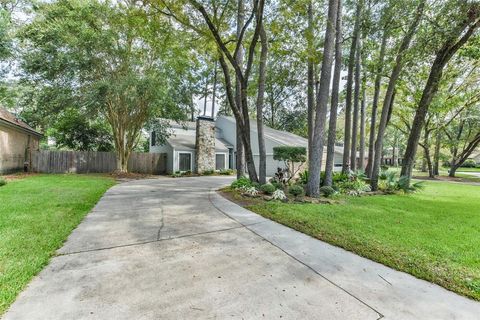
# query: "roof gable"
13 120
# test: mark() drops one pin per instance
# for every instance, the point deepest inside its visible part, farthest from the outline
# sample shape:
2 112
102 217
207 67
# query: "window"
154 138
185 161
220 161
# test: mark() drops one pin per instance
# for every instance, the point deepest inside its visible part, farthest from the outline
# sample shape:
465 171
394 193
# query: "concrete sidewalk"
174 249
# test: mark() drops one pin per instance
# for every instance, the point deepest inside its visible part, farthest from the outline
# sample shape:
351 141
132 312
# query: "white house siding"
228 130
166 148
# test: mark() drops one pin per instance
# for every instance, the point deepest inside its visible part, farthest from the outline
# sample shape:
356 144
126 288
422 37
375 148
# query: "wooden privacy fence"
95 162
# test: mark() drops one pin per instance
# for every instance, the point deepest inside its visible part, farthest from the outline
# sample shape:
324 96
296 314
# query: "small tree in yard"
291 156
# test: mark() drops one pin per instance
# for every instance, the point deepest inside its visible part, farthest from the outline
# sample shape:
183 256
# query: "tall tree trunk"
459 159
394 155
361 164
424 164
356 104
436 153
453 170
332 126
205 96
311 78
315 158
240 159
262 171
348 100
456 40
426 149
121 151
429 163
239 106
376 94
214 91
387 102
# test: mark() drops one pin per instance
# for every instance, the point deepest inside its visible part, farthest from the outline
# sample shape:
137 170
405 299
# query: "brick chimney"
205 144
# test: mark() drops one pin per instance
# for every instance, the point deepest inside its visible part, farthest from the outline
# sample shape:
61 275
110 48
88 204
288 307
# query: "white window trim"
177 160
225 162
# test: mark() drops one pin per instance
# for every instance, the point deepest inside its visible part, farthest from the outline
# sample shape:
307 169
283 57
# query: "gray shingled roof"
189 125
180 141
282 137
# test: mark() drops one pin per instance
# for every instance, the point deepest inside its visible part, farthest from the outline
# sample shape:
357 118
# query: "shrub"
409 188
389 182
339 177
327 191
2 182
470 163
336 176
279 195
226 172
240 183
354 187
208 172
268 188
276 184
296 191
358 175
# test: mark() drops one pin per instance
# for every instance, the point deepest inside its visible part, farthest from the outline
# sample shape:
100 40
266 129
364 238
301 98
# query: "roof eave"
15 126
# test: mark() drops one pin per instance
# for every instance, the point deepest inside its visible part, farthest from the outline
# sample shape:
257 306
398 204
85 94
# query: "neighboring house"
475 156
210 144
17 142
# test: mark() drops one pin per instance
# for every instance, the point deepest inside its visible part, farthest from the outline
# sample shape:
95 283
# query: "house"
475 156
210 144
17 142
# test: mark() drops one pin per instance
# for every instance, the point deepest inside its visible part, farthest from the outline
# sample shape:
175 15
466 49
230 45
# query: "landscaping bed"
37 213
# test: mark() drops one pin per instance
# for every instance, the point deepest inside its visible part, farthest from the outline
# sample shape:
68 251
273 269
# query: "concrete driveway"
174 249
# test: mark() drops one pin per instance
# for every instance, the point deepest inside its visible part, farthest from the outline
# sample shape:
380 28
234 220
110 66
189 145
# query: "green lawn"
461 169
433 234
37 214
